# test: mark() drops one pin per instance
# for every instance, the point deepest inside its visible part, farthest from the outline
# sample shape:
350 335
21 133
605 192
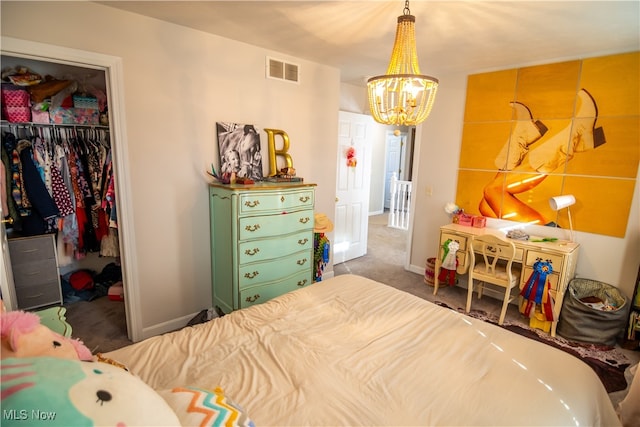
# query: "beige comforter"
351 351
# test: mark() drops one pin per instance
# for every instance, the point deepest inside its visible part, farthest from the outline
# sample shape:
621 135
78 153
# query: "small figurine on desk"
449 262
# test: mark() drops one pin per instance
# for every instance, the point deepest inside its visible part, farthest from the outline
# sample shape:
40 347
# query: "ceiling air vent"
280 70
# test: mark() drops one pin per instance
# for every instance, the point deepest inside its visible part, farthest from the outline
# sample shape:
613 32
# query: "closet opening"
64 130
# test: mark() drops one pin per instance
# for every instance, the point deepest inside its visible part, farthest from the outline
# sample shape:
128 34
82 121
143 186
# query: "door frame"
112 66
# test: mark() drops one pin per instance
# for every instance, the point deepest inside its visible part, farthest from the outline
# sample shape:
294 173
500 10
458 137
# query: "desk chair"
495 258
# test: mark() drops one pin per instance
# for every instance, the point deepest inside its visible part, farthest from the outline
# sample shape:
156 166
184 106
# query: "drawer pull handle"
26 251
251 275
304 199
303 241
252 252
33 273
253 298
35 296
302 282
252 228
282 199
304 220
302 261
252 204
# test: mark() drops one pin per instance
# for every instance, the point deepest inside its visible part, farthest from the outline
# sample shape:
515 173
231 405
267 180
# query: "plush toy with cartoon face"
50 391
22 335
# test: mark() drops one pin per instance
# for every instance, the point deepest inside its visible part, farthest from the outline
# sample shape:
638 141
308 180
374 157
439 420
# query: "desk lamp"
561 202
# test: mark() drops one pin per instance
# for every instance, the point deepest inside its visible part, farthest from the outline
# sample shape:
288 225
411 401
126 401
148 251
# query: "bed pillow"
51 391
201 407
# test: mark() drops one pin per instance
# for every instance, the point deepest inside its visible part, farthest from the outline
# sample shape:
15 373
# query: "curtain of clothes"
60 180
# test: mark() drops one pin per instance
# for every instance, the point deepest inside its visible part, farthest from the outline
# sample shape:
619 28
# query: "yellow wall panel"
481 142
590 110
489 95
549 90
618 156
469 192
602 204
615 82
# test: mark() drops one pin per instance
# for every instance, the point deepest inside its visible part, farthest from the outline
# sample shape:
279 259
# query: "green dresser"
261 241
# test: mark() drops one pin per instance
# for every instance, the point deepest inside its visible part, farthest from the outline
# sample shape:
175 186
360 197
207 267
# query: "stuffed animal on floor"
22 335
449 262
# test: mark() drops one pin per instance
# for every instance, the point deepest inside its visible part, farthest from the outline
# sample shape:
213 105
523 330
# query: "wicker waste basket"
430 272
583 318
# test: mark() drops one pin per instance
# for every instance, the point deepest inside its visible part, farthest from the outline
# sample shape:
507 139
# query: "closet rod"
5 123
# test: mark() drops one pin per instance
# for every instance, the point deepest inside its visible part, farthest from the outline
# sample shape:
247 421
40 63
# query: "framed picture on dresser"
240 150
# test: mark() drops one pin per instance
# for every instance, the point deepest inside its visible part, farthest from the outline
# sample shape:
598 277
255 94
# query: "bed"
352 351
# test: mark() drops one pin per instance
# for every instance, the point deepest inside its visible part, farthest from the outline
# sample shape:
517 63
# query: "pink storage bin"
17 114
463 219
12 96
479 221
39 116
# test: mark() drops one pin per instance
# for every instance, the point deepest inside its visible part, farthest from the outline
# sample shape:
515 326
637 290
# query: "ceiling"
452 36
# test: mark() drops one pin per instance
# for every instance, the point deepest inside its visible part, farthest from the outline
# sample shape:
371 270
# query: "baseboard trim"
168 326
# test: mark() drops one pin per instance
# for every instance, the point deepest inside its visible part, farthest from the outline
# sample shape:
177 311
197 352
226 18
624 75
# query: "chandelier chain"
406 10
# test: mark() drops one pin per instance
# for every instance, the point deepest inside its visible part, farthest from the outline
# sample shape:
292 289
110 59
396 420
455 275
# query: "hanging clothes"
60 180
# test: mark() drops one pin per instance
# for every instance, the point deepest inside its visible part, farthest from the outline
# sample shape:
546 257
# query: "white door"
394 162
352 187
6 275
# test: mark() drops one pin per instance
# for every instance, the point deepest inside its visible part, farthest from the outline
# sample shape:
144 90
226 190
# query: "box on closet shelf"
40 116
16 104
62 116
17 114
74 116
86 116
15 96
85 102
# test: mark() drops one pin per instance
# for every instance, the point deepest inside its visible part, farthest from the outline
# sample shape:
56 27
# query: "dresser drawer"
275 225
462 240
260 250
29 249
39 295
262 293
272 270
279 201
35 273
556 260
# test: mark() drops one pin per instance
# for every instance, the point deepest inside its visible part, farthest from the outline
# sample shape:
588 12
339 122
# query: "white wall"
177 83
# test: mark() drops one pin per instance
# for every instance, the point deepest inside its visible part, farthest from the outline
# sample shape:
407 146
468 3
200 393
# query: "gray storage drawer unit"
35 271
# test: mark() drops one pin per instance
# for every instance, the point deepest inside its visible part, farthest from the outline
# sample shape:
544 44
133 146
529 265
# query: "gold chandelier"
403 96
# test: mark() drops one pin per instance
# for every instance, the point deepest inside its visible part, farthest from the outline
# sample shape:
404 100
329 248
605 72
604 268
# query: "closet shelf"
6 123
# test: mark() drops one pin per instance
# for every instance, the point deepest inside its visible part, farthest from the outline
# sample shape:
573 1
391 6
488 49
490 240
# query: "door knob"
337 200
9 221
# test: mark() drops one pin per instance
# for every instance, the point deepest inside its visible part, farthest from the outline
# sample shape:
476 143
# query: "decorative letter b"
273 167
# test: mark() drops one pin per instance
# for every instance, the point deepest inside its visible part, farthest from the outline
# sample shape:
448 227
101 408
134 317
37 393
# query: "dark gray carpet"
101 324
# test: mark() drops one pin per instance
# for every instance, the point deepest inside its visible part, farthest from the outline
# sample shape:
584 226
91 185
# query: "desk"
562 254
